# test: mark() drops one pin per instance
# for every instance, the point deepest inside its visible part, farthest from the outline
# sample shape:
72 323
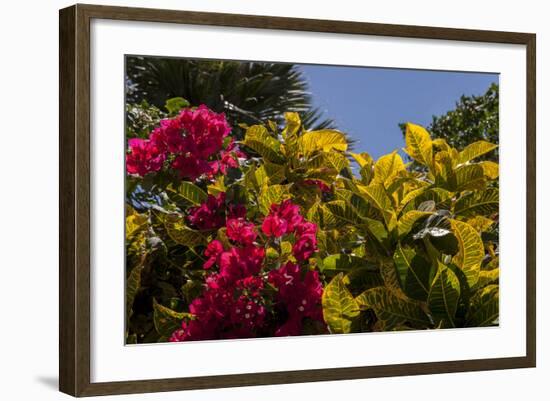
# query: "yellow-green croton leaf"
387 168
444 295
470 250
391 310
339 306
475 150
323 140
419 144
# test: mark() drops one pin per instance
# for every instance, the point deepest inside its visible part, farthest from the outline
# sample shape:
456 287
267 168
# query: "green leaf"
363 159
480 223
180 233
376 195
475 150
342 211
274 172
406 222
414 272
135 222
387 168
166 320
293 122
487 277
217 186
324 140
339 306
175 104
490 169
467 177
419 144
478 203
188 192
391 310
343 262
258 139
133 284
470 250
484 307
444 295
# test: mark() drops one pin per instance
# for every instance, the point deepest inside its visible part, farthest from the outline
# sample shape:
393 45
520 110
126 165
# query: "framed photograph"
249 200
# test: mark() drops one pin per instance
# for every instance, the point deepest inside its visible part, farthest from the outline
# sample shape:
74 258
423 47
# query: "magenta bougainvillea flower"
236 302
274 226
238 263
144 157
209 215
300 294
212 252
289 212
241 231
305 247
193 140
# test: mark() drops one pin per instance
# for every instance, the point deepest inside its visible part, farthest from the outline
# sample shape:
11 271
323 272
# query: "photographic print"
269 199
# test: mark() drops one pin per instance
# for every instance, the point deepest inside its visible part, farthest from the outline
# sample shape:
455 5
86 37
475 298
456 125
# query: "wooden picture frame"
74 204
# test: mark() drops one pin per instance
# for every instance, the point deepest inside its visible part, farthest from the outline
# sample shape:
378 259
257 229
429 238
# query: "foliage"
248 92
277 235
475 118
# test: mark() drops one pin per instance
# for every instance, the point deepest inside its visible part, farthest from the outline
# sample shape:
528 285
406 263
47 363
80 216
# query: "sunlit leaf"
180 233
470 250
339 306
343 211
187 192
490 169
444 294
387 168
376 194
406 222
475 150
363 159
323 140
175 104
487 277
467 177
478 203
135 222
484 309
480 223
392 310
258 139
217 187
419 144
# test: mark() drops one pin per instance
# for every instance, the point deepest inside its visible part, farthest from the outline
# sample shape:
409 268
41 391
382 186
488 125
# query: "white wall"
28 168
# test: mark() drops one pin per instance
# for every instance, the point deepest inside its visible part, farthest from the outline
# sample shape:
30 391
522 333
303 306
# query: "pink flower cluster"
300 294
192 142
212 214
286 219
236 301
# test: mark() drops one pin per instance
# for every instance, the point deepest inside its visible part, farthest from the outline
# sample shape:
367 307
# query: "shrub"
287 232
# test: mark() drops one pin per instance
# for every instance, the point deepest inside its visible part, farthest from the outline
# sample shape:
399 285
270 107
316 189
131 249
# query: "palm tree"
248 92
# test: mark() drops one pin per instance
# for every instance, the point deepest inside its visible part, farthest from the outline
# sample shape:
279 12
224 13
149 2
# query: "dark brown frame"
74 202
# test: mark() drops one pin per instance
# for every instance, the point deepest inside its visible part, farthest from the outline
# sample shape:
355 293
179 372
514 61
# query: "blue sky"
369 103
